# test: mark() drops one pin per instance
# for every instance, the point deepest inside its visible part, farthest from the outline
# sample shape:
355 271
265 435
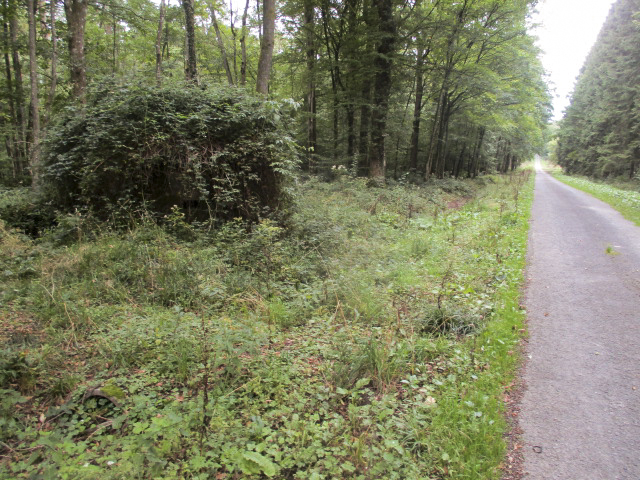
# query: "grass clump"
370 337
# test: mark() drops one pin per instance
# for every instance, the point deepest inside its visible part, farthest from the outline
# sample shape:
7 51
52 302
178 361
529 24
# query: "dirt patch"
18 328
457 203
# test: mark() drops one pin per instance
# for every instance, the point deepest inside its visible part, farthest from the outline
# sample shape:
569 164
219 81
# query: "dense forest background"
382 87
600 134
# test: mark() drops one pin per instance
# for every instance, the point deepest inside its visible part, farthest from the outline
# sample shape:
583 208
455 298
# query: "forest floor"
373 336
581 406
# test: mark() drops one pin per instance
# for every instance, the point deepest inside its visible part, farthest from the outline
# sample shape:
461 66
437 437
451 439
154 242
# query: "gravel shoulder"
580 410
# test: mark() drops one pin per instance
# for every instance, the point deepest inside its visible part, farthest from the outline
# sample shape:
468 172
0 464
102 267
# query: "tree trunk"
499 153
460 162
17 77
310 98
235 44
54 61
10 140
333 53
351 132
191 68
354 64
365 122
243 46
437 119
266 46
335 120
443 131
417 110
114 44
35 107
366 62
76 13
223 52
159 44
473 162
165 43
382 87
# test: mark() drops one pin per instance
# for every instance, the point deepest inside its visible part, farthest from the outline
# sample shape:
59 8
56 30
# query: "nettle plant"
134 150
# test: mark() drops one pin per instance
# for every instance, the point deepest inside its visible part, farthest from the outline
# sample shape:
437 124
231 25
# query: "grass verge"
373 337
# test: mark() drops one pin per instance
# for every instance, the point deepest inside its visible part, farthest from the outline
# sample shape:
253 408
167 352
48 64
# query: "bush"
24 210
137 150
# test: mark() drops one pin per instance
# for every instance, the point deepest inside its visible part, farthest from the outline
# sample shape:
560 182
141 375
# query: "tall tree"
417 110
21 115
243 45
35 108
223 52
76 14
191 67
54 59
310 98
159 43
382 85
266 46
10 140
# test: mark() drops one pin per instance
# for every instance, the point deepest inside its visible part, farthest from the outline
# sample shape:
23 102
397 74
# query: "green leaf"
363 382
266 466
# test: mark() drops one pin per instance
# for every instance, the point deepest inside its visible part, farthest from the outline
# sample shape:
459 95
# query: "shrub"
24 210
137 150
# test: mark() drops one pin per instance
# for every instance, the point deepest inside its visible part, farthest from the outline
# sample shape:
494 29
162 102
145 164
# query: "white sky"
568 30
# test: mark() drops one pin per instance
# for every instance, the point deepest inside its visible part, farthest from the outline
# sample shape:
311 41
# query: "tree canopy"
387 87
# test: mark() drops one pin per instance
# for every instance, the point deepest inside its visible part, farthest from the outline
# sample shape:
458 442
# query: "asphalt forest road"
580 413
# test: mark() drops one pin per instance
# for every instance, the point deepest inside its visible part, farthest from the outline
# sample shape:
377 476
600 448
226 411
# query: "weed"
19 369
610 250
440 321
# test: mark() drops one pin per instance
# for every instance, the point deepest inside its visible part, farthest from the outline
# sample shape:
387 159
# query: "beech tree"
266 46
191 63
76 14
382 85
159 44
35 108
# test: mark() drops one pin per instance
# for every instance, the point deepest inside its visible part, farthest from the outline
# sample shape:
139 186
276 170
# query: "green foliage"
209 154
22 209
18 368
371 336
9 424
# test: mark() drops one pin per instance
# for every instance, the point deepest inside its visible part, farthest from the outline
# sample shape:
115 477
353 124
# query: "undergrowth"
371 337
